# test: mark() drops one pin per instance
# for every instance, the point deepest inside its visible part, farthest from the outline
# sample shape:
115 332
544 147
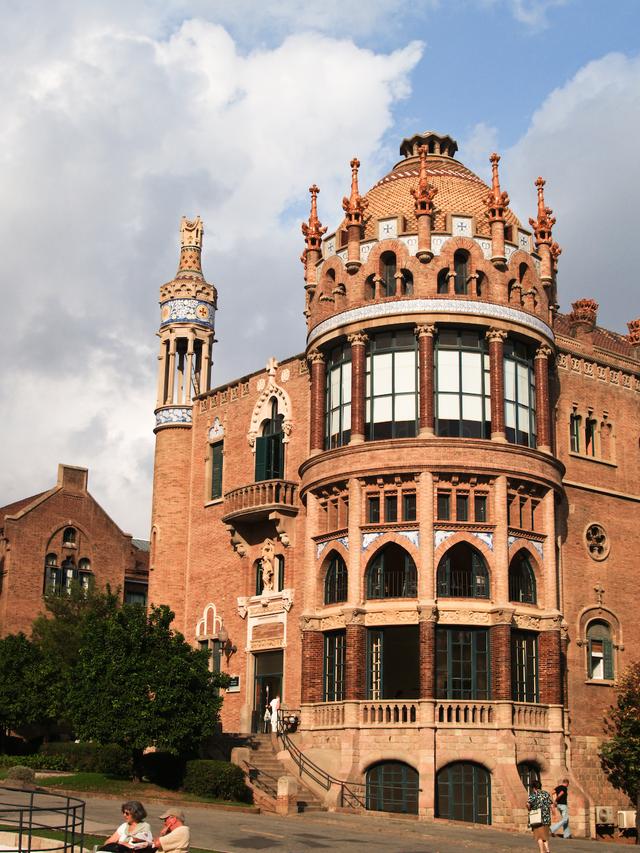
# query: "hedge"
111 759
36 762
163 768
219 779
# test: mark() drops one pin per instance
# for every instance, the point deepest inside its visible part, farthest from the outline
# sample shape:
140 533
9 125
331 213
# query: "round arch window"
463 792
392 786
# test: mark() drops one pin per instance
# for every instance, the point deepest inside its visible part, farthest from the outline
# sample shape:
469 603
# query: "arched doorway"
463 792
392 786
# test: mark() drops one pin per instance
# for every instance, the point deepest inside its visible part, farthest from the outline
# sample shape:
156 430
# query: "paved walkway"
229 832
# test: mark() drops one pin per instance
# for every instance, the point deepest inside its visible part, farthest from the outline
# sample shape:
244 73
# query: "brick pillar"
496 339
550 667
318 382
355 664
427 640
358 343
425 335
312 666
543 427
500 639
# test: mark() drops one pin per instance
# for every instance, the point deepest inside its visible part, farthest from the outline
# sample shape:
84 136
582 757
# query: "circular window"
597 541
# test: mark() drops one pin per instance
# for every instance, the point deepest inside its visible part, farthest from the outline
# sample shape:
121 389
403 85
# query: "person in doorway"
175 835
540 800
267 720
560 801
275 711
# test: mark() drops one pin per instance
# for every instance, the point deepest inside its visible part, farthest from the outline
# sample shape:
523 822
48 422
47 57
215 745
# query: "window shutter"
280 573
589 660
216 470
277 457
608 658
261 457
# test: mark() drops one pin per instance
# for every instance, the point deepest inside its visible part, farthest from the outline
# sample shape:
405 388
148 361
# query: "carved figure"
267 565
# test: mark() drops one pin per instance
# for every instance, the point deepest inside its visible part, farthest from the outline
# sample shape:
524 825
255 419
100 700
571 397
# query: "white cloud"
110 133
583 140
481 141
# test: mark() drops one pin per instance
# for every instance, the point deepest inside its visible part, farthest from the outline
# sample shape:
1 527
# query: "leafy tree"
138 683
20 670
620 756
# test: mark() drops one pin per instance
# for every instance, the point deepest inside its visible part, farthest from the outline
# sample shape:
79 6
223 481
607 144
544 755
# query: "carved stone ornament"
526 622
243 607
267 566
208 626
597 542
262 411
216 431
465 617
332 623
392 617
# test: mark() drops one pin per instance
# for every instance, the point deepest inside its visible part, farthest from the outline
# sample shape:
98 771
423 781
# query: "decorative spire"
544 223
355 205
313 229
191 231
424 193
497 200
634 332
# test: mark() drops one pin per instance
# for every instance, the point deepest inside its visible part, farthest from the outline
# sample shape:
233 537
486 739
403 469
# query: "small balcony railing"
256 500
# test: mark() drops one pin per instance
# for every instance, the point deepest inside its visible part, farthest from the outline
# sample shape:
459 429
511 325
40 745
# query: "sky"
118 118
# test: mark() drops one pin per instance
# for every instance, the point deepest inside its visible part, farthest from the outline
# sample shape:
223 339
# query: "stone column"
205 370
189 367
318 396
496 338
356 655
541 366
312 666
162 372
425 335
172 369
358 343
500 640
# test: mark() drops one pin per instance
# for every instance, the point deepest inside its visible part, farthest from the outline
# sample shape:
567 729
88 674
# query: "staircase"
263 770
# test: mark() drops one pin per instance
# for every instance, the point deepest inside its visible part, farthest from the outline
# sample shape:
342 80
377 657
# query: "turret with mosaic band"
187 322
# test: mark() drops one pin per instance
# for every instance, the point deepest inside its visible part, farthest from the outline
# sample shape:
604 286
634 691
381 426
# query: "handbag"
535 817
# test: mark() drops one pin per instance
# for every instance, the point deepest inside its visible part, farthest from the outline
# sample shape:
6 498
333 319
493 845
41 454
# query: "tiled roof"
17 506
141 544
459 192
602 338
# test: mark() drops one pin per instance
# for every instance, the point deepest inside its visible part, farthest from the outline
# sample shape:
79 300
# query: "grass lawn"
89 840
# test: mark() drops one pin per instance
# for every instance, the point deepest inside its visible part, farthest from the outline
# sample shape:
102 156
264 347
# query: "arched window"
52 575
337 429
388 273
278 579
463 389
599 651
461 270
528 773
519 394
257 569
407 283
392 786
270 448
391 397
462 573
481 284
84 573
522 579
443 280
68 574
69 536
335 581
392 574
370 288
463 792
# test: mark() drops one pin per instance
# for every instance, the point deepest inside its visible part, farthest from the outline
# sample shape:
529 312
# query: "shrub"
219 779
80 756
163 768
114 760
37 762
21 774
111 759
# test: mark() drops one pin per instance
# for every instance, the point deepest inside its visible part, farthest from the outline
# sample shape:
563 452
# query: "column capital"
358 339
543 351
496 335
425 330
314 356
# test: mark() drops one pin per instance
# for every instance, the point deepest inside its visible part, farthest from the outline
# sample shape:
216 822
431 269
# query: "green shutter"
608 658
216 470
262 445
280 573
589 660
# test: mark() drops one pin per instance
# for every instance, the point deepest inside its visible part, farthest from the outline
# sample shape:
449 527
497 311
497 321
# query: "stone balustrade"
256 498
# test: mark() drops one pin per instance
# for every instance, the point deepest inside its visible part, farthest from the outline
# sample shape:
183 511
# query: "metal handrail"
22 817
257 777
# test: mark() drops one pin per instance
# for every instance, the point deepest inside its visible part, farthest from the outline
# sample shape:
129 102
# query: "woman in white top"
133 834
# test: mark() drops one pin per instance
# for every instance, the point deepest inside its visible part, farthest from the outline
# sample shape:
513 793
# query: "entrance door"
267 684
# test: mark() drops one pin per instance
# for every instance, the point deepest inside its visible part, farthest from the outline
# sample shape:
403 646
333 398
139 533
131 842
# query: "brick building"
62 535
418 531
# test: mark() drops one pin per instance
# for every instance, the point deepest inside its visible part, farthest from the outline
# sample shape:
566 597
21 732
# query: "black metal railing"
26 813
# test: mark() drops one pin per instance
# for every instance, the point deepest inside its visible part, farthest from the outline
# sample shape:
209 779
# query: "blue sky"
118 118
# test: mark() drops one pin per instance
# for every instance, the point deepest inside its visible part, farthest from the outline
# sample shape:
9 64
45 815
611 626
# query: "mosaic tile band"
187 311
174 415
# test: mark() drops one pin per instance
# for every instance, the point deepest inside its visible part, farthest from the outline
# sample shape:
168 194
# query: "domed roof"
460 191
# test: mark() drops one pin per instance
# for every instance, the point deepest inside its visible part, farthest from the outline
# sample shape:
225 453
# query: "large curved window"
52 575
392 386
270 447
335 582
462 663
522 580
524 666
463 792
462 387
392 574
599 651
519 394
337 430
462 573
392 786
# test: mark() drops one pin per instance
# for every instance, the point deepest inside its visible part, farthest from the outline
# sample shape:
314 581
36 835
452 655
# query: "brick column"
311 687
358 343
500 640
427 645
425 334
354 590
543 427
318 396
500 578
496 338
356 658
550 667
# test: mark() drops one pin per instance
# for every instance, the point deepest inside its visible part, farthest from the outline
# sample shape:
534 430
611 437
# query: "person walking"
560 800
539 805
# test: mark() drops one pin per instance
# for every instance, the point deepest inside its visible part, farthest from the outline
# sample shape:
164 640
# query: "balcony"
260 501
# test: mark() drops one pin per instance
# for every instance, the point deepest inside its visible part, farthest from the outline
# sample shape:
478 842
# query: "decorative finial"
314 229
543 225
424 193
634 332
191 231
355 205
497 200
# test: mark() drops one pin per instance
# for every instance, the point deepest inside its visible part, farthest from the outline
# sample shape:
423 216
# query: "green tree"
620 756
20 673
138 683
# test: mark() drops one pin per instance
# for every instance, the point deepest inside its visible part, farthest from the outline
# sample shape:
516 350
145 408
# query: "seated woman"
133 834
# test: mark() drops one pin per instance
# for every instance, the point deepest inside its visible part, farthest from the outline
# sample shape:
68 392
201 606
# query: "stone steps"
265 770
